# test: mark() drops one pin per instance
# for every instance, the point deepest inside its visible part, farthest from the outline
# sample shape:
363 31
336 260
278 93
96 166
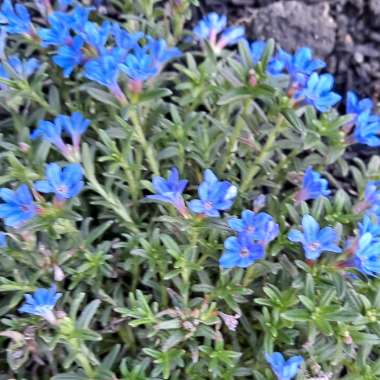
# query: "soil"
346 33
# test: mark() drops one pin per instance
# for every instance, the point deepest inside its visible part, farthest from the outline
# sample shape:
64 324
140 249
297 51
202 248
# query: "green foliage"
143 294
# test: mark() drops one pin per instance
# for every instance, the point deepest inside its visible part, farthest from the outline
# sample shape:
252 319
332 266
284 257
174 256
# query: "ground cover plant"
177 202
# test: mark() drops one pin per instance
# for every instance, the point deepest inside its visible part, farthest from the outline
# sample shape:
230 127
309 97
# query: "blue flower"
18 206
103 70
284 369
3 240
22 68
372 192
356 106
59 32
63 4
299 66
210 25
74 125
313 187
271 231
314 239
51 132
125 40
367 129
3 40
170 190
259 202
160 51
69 56
215 196
367 255
17 18
65 183
368 226
318 92
240 252
257 49
41 303
78 18
231 36
258 226
371 201
139 65
97 36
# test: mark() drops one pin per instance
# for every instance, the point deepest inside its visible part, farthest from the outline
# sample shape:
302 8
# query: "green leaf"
297 315
87 314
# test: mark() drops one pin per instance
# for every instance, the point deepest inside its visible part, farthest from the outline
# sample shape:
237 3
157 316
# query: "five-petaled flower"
41 303
16 18
65 182
21 69
356 106
240 251
215 196
211 25
257 49
371 201
299 66
367 129
313 186
105 71
367 255
284 369
318 92
258 226
74 125
170 190
139 65
69 56
314 239
18 207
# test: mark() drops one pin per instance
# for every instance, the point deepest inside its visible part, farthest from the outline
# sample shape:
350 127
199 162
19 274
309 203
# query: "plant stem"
83 361
255 168
133 185
151 156
239 125
249 275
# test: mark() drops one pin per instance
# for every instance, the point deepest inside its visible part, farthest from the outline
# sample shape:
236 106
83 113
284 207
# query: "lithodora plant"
178 202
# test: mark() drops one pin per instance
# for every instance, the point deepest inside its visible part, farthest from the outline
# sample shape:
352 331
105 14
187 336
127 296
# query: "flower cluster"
74 126
367 124
309 87
18 205
170 286
20 69
306 85
366 247
215 195
255 232
103 51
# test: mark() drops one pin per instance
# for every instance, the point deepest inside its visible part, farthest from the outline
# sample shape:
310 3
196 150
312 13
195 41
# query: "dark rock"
293 24
374 8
